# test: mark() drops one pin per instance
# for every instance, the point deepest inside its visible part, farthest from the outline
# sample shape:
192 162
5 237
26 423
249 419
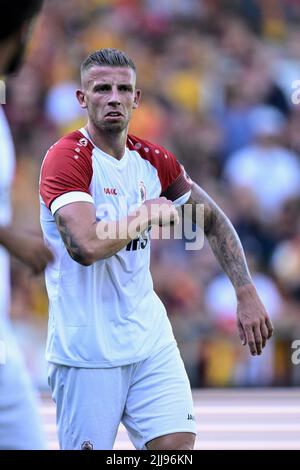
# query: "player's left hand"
254 324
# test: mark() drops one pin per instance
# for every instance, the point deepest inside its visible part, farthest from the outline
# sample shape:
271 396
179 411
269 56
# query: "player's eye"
102 88
125 88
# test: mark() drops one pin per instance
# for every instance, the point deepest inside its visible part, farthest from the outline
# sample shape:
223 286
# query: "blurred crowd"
219 89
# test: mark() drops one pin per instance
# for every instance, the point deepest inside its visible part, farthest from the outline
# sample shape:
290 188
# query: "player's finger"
264 333
269 326
251 340
241 333
258 339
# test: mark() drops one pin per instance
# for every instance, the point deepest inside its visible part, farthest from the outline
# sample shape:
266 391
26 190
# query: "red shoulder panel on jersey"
173 179
67 167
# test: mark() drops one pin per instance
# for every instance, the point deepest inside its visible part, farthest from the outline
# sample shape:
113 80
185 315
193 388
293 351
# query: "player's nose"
114 98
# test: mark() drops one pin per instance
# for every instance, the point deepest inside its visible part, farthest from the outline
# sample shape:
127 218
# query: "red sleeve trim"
67 167
178 188
173 179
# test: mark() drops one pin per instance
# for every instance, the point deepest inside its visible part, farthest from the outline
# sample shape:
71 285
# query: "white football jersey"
106 314
7 166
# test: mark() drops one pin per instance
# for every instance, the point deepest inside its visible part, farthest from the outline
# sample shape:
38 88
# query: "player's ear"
137 97
80 95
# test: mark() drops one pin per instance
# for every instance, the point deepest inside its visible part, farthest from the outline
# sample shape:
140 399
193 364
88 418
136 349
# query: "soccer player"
113 357
19 423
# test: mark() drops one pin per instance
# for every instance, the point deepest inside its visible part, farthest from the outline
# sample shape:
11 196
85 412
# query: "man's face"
109 95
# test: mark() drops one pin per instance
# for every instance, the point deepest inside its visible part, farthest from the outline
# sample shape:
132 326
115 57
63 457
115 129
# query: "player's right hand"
161 211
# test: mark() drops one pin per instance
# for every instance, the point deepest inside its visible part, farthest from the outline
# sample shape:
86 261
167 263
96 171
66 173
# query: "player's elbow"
83 255
87 253
84 261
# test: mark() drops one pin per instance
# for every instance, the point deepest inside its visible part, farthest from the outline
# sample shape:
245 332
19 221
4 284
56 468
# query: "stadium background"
207 69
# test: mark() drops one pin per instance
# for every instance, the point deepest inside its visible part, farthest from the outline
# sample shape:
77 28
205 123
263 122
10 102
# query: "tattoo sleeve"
223 239
72 247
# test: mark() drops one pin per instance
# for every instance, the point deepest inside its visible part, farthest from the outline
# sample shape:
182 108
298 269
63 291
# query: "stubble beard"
112 127
116 128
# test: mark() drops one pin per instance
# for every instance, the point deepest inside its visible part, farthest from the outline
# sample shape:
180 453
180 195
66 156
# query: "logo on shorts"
191 417
87 445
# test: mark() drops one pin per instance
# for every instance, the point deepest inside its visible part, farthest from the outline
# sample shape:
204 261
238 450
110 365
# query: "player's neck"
113 144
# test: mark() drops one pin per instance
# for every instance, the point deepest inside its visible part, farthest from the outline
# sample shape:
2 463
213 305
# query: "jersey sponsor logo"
111 191
190 417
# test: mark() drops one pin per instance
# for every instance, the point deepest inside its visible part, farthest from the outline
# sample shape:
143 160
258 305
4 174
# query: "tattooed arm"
253 322
87 240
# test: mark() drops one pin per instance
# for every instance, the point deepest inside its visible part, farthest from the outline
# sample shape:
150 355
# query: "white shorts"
151 398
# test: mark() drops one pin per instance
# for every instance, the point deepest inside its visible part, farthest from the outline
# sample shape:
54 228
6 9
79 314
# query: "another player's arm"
87 240
253 322
28 247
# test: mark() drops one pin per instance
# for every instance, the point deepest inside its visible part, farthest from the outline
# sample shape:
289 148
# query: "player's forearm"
9 238
111 237
102 239
4 236
224 241
228 250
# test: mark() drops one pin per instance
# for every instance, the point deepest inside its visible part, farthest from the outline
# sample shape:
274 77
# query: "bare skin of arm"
87 240
253 322
28 247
